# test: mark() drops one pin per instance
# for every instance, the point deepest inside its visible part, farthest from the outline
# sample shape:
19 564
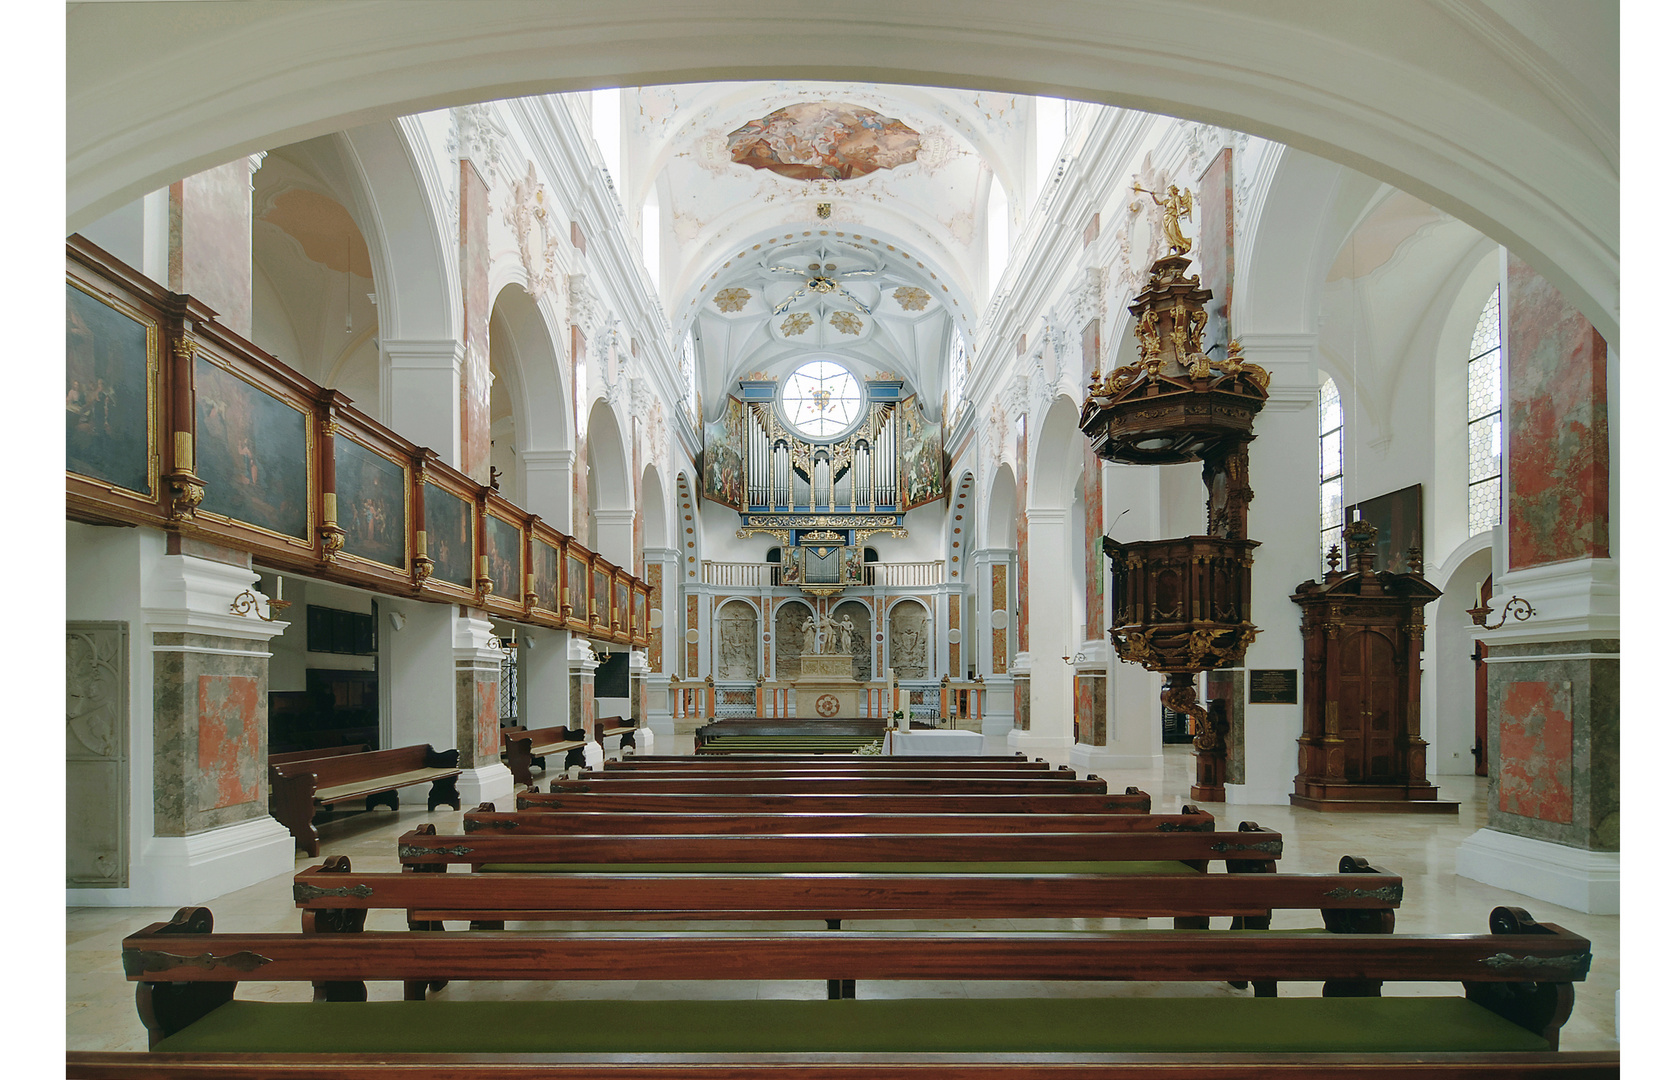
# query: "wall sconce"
1078 658
1514 606
246 602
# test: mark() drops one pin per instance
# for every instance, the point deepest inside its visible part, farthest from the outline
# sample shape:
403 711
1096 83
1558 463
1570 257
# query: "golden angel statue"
1175 205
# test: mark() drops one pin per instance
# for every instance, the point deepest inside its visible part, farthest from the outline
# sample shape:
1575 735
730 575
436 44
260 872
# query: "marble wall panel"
1091 690
1020 702
1001 601
653 648
1215 251
96 755
1554 743
209 709
954 667
1226 684
477 712
209 242
1556 413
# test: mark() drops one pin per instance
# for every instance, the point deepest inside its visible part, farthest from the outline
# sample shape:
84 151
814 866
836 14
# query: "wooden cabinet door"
1370 709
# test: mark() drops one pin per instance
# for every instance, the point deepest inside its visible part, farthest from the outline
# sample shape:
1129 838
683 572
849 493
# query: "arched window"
958 370
1484 416
1330 468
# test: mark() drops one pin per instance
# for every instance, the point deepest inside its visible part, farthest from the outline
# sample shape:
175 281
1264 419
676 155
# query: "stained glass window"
1330 469
1484 415
821 399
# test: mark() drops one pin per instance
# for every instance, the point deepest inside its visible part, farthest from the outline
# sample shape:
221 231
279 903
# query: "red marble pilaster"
1556 410
475 379
209 242
1214 249
1536 752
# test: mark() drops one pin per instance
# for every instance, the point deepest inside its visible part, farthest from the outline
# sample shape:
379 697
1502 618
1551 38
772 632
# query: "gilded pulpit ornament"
1175 204
1182 606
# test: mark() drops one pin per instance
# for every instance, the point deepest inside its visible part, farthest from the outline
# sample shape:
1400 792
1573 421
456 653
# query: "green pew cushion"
1132 867
969 1025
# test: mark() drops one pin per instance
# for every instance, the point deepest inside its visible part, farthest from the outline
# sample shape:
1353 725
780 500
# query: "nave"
1422 849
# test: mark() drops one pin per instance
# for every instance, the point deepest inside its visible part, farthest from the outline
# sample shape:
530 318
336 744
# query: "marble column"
545 663
1051 705
420 392
1096 750
1553 679
476 711
210 831
209 248
662 573
1133 506
1284 517
548 483
582 664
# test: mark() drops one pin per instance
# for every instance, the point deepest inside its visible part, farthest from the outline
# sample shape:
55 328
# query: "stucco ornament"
537 246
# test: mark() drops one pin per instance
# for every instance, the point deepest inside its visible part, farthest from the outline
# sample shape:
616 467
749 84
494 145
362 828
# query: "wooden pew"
1133 801
563 823
1517 989
628 778
768 763
815 783
303 788
1251 849
526 748
1360 896
290 757
615 725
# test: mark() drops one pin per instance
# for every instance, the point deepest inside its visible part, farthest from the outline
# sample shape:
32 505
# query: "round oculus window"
822 399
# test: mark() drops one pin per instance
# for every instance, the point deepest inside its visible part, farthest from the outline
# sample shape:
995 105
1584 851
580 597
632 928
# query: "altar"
826 686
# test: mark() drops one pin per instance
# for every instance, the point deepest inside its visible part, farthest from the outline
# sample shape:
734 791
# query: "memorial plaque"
1272 686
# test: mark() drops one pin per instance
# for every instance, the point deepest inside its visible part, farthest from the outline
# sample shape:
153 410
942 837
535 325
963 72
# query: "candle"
1479 584
484 562
421 539
566 596
280 587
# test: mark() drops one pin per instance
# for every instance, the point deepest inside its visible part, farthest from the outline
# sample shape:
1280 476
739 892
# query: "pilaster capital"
423 354
473 638
622 516
547 460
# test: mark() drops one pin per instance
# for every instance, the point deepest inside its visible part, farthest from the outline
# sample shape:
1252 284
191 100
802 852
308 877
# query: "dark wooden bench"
301 789
631 777
290 757
615 725
1517 989
563 823
869 784
1251 849
1133 801
767 762
527 748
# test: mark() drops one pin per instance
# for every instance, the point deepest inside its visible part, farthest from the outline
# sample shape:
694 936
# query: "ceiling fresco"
823 140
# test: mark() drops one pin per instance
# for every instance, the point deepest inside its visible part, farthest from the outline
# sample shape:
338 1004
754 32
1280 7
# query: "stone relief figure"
737 641
858 616
827 634
788 622
908 642
810 636
845 636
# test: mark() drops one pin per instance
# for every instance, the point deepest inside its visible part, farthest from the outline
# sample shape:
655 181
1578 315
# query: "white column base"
1102 759
1588 881
176 871
1027 741
1254 794
491 783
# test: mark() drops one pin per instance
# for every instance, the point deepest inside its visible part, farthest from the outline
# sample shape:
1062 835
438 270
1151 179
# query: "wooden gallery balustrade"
174 421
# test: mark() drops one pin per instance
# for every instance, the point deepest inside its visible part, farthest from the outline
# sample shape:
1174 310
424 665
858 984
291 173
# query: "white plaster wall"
421 680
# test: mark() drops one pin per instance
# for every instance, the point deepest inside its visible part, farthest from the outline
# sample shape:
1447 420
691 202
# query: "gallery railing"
174 421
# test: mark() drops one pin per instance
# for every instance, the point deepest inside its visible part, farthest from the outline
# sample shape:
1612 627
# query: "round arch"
1056 459
653 504
156 95
1000 530
609 487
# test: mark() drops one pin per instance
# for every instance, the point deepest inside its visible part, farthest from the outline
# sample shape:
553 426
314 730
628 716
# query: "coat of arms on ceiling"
823 140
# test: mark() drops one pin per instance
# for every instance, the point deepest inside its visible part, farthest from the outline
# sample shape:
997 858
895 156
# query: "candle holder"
246 602
1514 606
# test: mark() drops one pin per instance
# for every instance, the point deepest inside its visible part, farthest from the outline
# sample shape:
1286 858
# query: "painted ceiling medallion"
846 321
911 298
795 324
731 299
823 140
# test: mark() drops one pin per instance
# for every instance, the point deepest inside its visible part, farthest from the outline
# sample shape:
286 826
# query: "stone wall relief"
853 620
737 637
789 637
96 754
909 640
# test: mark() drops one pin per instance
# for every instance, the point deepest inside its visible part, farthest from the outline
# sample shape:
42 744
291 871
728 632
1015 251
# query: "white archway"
1531 160
609 487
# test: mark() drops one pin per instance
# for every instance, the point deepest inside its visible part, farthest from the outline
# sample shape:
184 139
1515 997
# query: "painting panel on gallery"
447 522
1398 518
601 594
372 494
252 453
545 571
504 548
110 379
578 581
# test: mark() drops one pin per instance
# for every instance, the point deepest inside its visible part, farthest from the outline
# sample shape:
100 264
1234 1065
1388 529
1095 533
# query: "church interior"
479 414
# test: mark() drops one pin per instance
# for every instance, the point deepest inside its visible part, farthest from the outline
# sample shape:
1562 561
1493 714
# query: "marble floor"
101 1014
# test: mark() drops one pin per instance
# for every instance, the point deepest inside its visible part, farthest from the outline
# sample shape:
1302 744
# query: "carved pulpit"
1361 746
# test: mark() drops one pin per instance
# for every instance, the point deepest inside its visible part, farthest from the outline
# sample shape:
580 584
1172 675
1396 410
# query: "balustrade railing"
908 574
